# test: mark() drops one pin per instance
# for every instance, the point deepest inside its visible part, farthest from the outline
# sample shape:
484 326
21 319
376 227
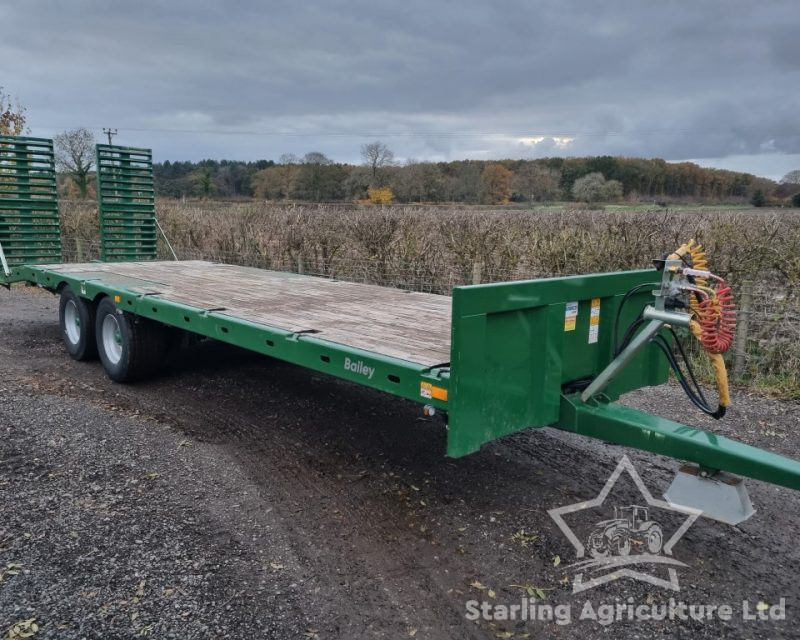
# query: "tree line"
316 178
381 179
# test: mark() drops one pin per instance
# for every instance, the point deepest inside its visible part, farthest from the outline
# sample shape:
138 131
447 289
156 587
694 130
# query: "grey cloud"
674 79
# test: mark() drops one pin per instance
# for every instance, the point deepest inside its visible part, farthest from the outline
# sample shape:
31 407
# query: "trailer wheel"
130 347
76 319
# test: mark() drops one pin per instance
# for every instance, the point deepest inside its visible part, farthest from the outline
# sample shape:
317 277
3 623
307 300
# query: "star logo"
632 537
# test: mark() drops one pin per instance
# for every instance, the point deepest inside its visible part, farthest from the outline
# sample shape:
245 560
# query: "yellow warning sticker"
571 316
594 321
430 391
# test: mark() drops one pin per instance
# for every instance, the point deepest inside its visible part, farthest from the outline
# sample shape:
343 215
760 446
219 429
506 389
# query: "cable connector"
697 273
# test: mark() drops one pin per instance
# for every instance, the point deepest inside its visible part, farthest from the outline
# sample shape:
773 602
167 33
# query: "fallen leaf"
524 539
532 590
556 561
23 629
762 606
11 569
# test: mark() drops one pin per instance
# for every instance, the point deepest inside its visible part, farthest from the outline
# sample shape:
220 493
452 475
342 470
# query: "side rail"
126 202
516 346
29 223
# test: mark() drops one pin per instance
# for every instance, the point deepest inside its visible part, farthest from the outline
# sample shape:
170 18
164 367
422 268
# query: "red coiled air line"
717 316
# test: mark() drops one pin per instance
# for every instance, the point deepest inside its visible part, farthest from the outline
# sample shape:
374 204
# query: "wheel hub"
72 322
112 339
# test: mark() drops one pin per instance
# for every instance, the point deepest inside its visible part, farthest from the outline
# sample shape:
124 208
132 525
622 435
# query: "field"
429 248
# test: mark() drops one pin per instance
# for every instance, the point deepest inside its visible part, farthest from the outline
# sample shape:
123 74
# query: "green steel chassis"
513 365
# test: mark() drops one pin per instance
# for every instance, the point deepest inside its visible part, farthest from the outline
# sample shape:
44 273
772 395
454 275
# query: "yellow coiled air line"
693 254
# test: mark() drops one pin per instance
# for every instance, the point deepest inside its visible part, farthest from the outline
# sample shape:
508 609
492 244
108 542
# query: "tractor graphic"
630 527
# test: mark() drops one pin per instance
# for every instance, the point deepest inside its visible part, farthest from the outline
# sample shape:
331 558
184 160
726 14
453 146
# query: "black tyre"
76 318
130 347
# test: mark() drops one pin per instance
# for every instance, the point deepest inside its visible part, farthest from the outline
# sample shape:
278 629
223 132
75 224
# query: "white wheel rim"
112 339
72 322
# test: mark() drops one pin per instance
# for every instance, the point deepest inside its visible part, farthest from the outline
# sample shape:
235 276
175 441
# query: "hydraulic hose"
718 364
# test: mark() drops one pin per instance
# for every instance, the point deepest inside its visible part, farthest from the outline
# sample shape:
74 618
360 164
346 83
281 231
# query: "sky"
713 82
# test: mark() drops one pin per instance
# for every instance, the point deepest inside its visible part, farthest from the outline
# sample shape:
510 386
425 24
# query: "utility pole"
110 133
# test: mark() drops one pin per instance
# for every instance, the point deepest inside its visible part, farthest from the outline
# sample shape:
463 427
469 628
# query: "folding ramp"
29 224
126 202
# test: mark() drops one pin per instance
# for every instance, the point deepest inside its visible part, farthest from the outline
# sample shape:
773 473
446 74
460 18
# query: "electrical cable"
688 364
629 333
625 298
697 398
681 377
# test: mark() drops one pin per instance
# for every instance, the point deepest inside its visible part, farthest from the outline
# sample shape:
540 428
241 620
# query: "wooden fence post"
742 328
476 273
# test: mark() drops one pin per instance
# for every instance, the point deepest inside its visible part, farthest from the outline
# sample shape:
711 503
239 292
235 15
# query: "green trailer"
491 359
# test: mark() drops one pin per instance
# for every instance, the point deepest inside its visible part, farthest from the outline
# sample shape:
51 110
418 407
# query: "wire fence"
434 250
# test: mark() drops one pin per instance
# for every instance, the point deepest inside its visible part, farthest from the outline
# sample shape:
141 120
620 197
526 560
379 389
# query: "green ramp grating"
126 200
29 227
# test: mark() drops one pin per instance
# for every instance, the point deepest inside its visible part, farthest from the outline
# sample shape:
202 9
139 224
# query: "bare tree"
12 116
288 158
75 156
376 156
793 177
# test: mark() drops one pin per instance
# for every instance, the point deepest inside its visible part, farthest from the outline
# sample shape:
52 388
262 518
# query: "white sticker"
571 316
594 321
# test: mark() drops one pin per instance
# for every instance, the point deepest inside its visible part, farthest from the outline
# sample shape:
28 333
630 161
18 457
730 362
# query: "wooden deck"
407 325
